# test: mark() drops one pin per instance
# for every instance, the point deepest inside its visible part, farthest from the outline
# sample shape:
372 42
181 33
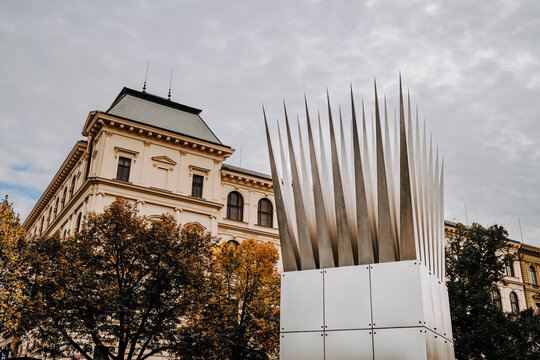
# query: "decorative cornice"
118 149
248 230
164 159
97 120
251 181
529 249
58 179
193 167
156 191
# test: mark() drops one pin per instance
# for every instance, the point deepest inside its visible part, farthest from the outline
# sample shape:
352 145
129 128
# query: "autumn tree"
12 249
121 288
240 320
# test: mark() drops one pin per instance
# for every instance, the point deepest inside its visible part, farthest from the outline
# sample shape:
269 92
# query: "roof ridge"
162 113
153 98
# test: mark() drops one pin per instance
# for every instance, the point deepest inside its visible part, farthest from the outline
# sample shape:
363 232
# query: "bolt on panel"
348 345
400 343
302 346
302 301
347 301
396 294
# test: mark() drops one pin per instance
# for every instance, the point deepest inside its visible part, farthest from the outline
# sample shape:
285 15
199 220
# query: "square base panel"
417 343
302 346
385 295
411 344
348 345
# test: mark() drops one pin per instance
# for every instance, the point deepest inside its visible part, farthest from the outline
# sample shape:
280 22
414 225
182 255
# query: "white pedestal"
380 311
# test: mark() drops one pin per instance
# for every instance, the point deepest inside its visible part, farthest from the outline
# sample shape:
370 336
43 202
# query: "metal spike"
390 180
345 254
364 241
306 185
326 256
348 188
386 239
370 197
306 247
289 251
328 194
406 239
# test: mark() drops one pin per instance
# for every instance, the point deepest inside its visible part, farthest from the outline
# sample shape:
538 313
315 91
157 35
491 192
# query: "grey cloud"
472 67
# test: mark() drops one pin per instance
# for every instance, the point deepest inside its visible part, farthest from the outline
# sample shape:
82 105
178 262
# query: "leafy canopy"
475 261
12 245
123 283
240 319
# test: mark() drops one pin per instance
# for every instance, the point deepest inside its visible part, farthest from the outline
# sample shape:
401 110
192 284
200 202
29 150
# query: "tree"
524 334
475 261
12 247
241 316
121 288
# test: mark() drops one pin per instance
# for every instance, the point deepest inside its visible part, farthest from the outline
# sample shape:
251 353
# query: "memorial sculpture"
362 239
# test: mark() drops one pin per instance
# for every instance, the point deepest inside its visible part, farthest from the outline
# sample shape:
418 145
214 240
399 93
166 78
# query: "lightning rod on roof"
145 77
170 85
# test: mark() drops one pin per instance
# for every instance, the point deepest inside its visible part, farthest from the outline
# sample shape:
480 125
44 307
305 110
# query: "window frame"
233 243
235 211
79 221
498 299
72 188
514 302
121 168
197 186
267 214
509 269
532 274
64 198
56 207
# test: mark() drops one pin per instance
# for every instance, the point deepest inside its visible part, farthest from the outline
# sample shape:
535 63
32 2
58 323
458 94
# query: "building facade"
529 257
161 156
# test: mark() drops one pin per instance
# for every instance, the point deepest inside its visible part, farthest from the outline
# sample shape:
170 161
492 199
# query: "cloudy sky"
473 68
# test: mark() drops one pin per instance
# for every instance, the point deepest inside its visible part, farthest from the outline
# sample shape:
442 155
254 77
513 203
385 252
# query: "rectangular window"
509 269
197 185
124 164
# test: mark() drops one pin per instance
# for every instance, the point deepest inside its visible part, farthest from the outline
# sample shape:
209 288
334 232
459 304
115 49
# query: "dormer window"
124 166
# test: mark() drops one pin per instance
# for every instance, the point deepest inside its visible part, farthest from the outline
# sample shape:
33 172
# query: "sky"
472 67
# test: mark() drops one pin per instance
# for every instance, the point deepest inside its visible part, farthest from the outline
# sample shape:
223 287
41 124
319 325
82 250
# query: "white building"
162 156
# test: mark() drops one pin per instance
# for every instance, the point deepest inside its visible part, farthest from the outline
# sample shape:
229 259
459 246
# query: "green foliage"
475 263
240 320
123 283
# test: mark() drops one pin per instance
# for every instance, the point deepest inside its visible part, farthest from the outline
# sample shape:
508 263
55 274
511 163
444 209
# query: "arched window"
235 206
514 302
265 213
233 243
534 280
509 269
79 218
72 189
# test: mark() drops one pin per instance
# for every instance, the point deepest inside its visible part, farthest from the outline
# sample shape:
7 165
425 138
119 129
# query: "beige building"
529 257
163 157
